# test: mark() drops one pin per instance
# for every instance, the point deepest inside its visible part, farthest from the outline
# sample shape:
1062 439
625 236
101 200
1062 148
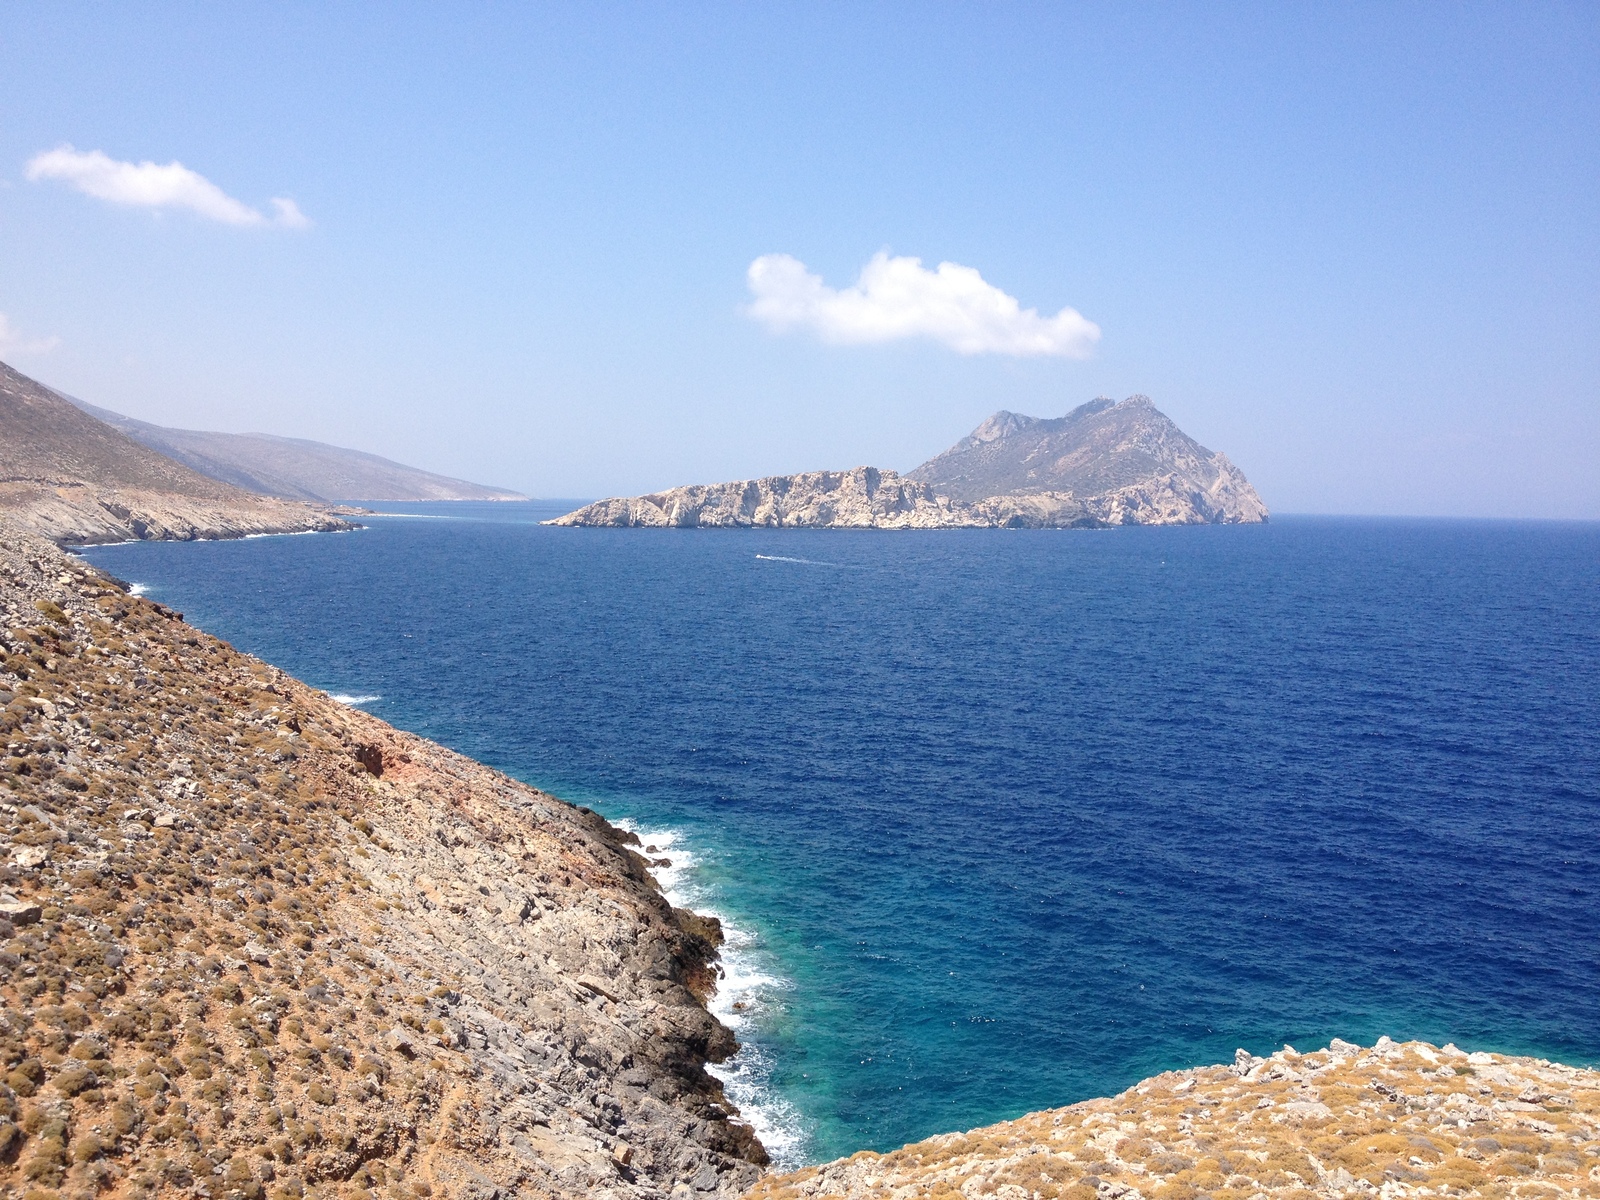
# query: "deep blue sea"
1003 820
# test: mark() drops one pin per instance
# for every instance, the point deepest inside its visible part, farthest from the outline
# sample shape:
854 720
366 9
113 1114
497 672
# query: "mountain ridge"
1096 448
1104 463
70 477
294 468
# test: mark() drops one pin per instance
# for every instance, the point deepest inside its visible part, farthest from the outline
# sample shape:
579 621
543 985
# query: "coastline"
748 985
310 950
997 1163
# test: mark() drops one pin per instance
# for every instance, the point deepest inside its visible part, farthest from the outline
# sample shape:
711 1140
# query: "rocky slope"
1102 464
254 943
76 480
1103 453
295 468
1391 1120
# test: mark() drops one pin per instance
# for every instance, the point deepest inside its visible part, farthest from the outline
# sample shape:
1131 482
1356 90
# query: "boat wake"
812 562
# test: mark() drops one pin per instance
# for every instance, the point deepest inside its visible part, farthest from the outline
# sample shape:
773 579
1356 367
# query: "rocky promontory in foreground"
77 481
254 943
1389 1120
1102 464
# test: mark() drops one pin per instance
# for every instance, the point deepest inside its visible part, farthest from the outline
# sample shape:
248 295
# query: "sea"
1002 820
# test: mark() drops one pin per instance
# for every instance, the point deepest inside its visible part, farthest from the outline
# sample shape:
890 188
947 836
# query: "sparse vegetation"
221 972
1391 1120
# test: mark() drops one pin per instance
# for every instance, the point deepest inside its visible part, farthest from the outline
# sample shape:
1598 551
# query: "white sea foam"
352 701
749 991
138 589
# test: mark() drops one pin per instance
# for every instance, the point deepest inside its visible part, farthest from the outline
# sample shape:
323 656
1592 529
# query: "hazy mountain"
1102 464
73 478
296 468
1097 449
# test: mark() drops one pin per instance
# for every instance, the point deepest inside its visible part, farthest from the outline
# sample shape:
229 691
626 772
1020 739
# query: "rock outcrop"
254 943
76 480
865 498
1102 464
295 468
1389 1120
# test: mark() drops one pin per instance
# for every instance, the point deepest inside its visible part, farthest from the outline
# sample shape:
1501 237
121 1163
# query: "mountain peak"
1097 448
1001 424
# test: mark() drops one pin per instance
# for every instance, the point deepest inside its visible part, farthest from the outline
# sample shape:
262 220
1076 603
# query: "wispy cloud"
14 344
900 298
151 185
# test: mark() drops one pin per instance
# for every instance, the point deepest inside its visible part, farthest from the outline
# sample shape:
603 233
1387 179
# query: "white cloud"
13 344
151 185
900 298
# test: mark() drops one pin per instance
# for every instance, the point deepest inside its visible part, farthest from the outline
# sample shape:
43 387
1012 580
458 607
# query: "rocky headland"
1389 1120
254 943
74 479
1102 464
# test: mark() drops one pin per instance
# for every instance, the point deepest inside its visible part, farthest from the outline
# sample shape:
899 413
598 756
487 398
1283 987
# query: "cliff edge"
254 943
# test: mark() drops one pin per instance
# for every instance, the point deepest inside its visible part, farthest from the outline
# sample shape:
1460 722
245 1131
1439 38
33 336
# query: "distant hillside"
72 478
1102 464
1097 449
295 468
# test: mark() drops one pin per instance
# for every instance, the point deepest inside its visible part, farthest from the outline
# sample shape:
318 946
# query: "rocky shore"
257 945
74 513
254 943
1388 1120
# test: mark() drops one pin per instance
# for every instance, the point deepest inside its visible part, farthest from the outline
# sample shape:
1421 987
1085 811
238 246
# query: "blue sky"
1355 246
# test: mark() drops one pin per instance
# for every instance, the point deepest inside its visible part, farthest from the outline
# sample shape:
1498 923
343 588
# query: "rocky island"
258 945
1104 463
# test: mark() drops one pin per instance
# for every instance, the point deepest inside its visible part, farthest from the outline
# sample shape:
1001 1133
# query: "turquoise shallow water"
1004 820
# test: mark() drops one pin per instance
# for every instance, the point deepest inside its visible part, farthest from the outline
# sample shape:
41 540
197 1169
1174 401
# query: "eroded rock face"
863 498
1389 1120
256 943
1100 465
